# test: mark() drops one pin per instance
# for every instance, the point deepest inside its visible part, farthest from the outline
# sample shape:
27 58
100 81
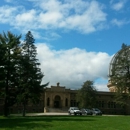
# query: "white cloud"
9 1
26 17
101 84
85 17
101 87
80 15
119 22
117 6
6 14
73 67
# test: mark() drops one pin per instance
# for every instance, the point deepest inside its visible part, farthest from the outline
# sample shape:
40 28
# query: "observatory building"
119 69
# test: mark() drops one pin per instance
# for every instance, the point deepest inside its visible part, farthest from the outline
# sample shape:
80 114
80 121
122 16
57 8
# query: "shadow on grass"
39 121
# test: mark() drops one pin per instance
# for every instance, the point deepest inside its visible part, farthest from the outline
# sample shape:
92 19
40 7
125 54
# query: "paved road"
51 113
48 113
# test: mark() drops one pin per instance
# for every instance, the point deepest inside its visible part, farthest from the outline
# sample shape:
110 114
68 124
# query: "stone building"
59 98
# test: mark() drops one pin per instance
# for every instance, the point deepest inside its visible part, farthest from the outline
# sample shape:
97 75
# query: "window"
111 104
66 102
48 101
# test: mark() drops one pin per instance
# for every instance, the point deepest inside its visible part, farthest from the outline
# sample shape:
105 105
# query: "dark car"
86 111
96 111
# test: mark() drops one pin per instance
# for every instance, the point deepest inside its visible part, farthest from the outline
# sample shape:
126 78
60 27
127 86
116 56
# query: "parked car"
74 110
96 111
86 111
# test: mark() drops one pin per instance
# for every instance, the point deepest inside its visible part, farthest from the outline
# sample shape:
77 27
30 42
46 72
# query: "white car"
74 110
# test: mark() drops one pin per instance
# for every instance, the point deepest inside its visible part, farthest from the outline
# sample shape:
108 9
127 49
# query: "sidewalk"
52 113
47 113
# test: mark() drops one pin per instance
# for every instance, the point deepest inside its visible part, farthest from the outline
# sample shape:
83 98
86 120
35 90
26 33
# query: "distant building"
59 99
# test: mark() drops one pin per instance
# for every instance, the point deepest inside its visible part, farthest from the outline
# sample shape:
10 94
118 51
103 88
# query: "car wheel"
94 114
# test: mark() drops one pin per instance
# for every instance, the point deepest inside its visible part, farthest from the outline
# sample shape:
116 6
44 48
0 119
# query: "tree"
9 50
120 75
20 74
30 79
87 95
124 45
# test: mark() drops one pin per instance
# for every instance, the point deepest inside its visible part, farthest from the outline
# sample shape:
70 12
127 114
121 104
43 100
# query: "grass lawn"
65 123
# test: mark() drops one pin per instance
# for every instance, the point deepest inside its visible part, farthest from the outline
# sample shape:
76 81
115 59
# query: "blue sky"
75 39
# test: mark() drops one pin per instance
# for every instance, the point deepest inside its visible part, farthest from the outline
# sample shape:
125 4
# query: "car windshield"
96 109
76 109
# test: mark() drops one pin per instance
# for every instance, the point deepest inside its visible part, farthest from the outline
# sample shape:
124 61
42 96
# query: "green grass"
65 123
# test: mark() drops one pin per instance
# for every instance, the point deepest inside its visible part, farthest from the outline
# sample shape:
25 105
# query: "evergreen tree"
30 86
87 95
9 49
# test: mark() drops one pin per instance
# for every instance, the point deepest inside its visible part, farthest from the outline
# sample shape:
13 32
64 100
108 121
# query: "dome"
119 65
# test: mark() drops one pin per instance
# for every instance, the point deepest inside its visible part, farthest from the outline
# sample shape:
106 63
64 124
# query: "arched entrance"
57 101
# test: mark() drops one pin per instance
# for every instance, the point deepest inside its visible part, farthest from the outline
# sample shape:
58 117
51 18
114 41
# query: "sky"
75 39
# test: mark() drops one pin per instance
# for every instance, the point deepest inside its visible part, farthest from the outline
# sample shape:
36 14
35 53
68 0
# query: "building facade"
59 99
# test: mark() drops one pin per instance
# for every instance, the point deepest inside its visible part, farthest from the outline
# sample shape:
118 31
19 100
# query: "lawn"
65 123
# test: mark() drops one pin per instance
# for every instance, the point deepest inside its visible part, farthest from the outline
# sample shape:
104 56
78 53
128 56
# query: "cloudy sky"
75 39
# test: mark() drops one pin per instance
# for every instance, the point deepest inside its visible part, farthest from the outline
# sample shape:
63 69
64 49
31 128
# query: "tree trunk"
6 110
24 110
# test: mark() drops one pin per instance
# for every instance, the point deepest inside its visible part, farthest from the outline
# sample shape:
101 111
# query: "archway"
57 101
